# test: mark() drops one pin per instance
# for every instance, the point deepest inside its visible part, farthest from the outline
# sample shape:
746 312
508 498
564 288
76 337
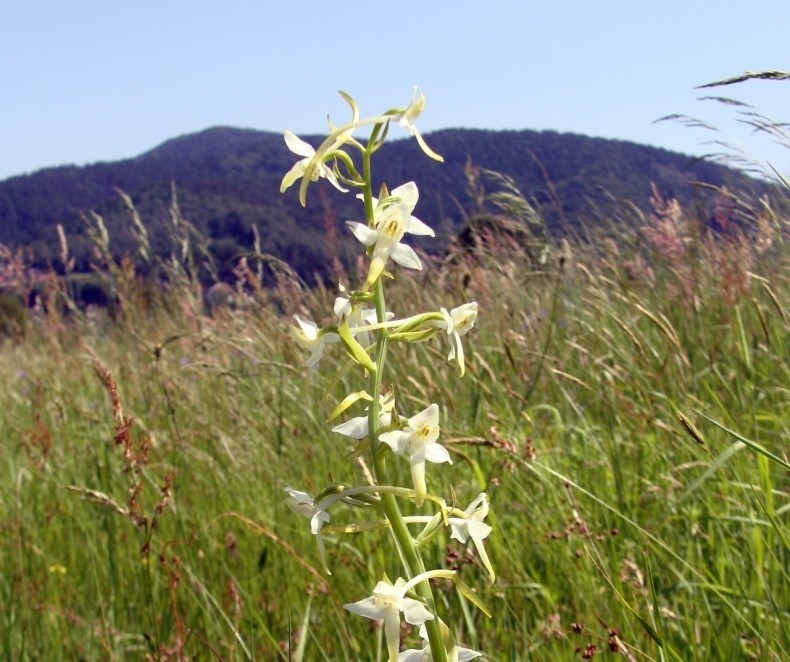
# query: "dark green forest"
226 181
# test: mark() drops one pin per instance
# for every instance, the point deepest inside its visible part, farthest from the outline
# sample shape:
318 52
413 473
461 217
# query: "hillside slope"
227 180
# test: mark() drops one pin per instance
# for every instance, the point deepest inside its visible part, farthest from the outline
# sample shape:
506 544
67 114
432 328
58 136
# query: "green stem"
411 558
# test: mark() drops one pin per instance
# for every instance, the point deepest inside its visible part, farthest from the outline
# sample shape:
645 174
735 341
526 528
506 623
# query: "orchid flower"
406 120
392 218
387 603
313 166
418 442
471 525
424 654
302 504
309 165
310 337
359 427
457 322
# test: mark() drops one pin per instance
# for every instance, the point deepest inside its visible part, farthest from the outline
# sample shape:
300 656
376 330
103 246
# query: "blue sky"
86 81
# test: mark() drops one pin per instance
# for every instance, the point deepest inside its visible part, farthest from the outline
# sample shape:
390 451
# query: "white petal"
356 428
363 233
392 631
478 509
459 530
315 358
459 354
309 327
292 175
415 612
414 655
478 530
330 175
318 520
405 256
423 145
298 146
342 307
416 226
299 496
367 608
397 440
384 589
455 341
319 541
464 317
300 502
428 416
437 454
407 193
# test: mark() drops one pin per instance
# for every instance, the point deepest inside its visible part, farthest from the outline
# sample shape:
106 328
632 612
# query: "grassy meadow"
625 408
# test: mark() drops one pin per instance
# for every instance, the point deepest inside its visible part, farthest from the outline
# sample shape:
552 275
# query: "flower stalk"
388 219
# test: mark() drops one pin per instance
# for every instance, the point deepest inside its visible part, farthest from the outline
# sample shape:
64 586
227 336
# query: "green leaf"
469 593
353 347
346 402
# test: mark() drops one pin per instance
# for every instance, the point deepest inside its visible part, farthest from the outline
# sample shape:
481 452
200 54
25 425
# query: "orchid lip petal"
392 632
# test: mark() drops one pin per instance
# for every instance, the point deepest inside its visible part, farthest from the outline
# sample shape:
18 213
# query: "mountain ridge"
227 180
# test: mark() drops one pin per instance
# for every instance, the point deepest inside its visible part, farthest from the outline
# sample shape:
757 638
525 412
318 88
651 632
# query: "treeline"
226 182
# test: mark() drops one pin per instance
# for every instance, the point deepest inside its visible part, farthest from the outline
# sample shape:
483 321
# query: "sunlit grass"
593 414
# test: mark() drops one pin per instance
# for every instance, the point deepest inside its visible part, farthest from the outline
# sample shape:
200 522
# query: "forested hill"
227 180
